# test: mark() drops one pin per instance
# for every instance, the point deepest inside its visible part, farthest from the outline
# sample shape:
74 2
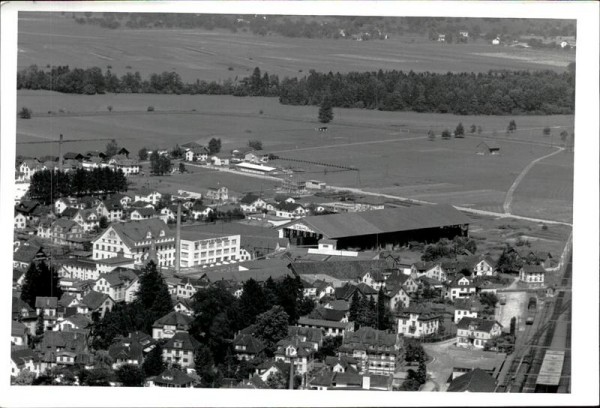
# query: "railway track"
525 366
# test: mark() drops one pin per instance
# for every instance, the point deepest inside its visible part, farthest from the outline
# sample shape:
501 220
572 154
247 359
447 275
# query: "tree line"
491 93
48 185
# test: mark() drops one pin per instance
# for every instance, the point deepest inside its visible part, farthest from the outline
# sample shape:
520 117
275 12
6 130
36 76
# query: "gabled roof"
533 269
172 376
93 300
26 253
79 320
18 305
283 206
187 342
177 319
310 333
46 302
383 221
252 344
135 231
249 198
482 325
328 314
17 329
321 323
145 211
371 337
22 355
72 341
473 381
69 212
145 191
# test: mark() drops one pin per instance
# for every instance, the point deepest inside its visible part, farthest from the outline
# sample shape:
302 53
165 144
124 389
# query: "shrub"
25 113
150 109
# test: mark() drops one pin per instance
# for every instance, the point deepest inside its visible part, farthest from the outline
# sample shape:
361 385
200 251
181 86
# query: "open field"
390 149
218 55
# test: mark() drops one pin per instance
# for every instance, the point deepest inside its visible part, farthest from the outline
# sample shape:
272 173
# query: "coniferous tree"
252 302
354 307
155 163
460 130
153 294
382 313
130 375
326 110
153 363
30 289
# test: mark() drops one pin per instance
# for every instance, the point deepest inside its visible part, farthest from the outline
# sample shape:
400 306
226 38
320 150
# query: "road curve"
515 184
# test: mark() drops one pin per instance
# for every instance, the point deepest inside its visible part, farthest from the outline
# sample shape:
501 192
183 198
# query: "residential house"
137 240
24 313
62 232
409 284
29 167
181 349
111 208
431 270
460 287
186 288
533 274
247 347
219 160
252 203
376 350
218 193
19 334
470 307
301 353
342 364
24 359
330 328
74 322
126 165
398 296
290 210
485 266
88 220
27 254
200 211
171 378
121 284
95 303
417 321
183 306
374 279
148 196
143 214
63 203
308 289
474 332
199 153
169 324
47 308
20 221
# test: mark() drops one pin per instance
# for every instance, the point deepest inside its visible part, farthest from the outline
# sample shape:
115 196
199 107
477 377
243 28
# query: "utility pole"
60 157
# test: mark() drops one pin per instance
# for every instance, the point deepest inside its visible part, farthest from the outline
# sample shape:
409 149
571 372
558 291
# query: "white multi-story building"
417 322
148 196
137 240
198 248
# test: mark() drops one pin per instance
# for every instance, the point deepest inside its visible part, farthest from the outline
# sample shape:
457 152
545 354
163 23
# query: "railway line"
552 324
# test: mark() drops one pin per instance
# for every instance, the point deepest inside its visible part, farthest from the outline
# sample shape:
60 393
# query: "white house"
532 274
199 249
87 219
417 322
20 221
148 196
252 203
473 332
460 287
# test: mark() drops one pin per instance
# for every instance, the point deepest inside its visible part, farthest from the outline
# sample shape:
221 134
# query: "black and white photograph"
259 196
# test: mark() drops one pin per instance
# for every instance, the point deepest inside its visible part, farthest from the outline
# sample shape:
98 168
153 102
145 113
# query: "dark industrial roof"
339 269
474 381
482 325
383 221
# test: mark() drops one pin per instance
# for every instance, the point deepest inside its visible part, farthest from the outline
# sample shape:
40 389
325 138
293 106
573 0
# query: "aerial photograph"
296 202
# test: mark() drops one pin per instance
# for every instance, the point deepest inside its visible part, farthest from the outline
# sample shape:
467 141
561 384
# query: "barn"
379 228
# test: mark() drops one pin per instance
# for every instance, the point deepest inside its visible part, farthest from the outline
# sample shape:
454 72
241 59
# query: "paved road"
515 184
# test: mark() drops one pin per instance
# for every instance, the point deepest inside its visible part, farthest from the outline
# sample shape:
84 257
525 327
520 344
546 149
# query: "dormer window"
162 233
178 344
149 235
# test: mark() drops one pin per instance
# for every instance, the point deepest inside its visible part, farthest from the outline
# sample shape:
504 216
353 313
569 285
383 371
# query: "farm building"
380 228
254 168
488 147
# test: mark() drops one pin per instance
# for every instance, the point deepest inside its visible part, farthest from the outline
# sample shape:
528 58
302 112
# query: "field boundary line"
509 194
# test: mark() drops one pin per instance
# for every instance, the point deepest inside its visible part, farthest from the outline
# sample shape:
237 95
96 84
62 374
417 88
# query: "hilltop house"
170 324
181 349
247 347
120 284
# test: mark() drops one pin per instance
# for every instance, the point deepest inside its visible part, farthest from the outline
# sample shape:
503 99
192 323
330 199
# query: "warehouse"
379 228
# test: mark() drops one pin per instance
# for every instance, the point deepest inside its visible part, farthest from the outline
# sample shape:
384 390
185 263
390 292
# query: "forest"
491 93
367 27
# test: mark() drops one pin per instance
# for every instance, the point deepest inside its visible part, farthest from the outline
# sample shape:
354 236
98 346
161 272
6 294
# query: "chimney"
178 239
366 382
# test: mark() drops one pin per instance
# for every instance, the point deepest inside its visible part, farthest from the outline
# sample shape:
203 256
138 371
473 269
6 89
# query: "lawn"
390 149
217 55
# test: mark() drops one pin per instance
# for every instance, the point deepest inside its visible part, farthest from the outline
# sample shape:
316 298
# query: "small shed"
488 147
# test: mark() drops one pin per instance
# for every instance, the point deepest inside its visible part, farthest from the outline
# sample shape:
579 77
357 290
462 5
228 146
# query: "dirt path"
515 184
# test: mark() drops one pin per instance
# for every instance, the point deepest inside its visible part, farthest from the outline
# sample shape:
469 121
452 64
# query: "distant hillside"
349 27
